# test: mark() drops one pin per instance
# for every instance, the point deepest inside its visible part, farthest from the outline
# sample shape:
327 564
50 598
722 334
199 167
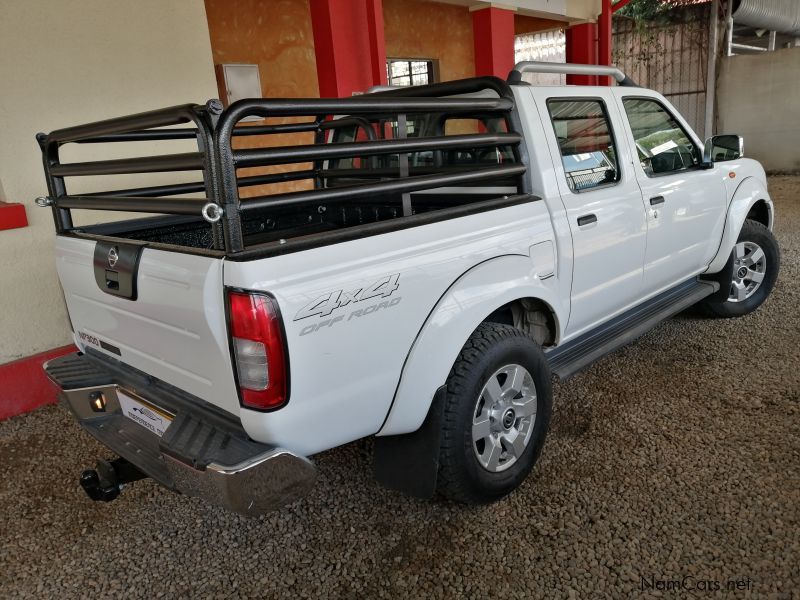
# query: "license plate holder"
142 412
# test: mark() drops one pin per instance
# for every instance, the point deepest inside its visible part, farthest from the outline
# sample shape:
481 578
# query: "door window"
662 144
587 146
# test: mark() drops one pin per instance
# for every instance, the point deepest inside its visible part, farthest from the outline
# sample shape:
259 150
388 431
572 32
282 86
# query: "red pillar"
582 49
493 36
604 39
349 45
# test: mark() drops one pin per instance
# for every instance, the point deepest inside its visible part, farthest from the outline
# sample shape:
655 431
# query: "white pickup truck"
412 264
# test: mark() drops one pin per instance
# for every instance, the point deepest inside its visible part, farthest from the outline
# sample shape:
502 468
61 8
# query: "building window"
410 71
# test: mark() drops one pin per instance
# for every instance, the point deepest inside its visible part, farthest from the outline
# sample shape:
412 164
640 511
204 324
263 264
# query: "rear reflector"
258 349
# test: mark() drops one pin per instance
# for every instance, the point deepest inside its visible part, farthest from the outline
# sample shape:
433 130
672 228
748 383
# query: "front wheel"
496 414
756 261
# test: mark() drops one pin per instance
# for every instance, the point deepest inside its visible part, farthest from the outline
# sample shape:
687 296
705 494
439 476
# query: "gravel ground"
677 457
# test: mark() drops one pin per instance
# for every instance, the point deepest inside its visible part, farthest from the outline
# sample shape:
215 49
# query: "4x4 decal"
324 305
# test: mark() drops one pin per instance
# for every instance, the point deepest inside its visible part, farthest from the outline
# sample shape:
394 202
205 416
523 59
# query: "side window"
587 146
662 144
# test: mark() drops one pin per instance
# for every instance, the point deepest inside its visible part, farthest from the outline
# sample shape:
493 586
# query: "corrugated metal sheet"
671 59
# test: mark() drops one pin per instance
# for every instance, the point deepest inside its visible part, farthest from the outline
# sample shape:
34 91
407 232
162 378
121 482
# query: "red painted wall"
24 386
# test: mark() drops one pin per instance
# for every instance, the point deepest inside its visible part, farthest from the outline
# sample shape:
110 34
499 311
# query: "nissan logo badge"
113 257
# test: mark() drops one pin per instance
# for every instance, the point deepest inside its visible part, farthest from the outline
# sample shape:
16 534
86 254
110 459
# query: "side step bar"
573 356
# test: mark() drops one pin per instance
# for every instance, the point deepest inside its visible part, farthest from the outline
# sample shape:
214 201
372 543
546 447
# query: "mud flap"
724 278
409 463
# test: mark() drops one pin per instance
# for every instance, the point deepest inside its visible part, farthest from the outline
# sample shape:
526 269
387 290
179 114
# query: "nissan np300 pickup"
412 264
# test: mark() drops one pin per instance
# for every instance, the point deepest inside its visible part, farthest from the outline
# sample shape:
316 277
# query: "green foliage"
659 12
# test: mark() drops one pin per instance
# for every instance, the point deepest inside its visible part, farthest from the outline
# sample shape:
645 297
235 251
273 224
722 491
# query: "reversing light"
258 350
97 401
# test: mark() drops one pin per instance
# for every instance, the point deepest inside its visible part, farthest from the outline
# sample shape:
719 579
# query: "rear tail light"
258 350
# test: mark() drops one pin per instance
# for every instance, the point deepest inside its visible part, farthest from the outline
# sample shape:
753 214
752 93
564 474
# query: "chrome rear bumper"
201 453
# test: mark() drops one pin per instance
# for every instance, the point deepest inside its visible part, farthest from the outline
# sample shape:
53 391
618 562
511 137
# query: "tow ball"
106 480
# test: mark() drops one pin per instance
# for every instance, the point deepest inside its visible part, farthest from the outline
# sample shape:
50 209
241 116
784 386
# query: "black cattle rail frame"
214 129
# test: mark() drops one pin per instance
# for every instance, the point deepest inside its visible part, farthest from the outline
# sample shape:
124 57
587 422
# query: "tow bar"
106 480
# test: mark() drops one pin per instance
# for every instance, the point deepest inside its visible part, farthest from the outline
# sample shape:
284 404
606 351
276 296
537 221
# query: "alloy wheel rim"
749 268
503 419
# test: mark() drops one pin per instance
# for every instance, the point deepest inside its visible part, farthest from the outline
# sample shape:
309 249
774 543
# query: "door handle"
656 200
587 220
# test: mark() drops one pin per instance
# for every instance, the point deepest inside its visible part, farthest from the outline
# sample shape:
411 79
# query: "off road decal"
324 305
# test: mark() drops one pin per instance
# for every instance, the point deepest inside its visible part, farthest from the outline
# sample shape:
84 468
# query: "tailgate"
174 329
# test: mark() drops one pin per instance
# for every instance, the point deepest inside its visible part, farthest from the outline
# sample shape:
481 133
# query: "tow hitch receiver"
106 480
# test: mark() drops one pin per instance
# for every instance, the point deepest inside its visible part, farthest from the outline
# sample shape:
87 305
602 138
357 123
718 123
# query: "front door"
602 201
685 203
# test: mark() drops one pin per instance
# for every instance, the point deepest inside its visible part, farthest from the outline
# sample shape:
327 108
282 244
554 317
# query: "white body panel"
372 366
683 231
608 254
748 186
345 366
175 330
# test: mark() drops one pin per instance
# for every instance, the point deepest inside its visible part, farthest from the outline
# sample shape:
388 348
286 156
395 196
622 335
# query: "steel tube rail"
409 184
170 206
450 88
534 66
290 154
317 107
190 161
357 105
245 130
200 186
174 115
184 133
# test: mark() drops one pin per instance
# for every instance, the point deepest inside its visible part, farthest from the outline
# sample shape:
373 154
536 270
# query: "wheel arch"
490 291
750 200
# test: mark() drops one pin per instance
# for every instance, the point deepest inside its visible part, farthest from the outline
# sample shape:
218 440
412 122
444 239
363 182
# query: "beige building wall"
758 97
64 62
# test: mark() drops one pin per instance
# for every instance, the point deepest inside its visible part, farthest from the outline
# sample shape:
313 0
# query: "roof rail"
534 66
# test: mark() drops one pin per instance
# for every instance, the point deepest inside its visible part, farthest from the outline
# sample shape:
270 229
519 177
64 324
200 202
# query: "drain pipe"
711 71
729 29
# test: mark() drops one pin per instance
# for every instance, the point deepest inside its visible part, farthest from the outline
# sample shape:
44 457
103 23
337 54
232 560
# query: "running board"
573 356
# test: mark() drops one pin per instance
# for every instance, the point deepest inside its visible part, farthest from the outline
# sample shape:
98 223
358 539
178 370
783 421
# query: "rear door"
602 199
685 203
160 312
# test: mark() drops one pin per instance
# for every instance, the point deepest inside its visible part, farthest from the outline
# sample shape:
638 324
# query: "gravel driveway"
673 462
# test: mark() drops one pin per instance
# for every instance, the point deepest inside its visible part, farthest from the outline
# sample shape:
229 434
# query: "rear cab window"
588 150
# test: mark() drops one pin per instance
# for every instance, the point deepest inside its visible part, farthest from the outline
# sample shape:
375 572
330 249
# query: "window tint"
587 146
662 144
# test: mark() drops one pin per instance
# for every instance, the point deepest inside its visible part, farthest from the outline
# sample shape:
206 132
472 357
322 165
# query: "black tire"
491 347
755 232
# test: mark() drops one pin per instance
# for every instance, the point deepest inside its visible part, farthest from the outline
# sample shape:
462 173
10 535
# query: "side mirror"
719 148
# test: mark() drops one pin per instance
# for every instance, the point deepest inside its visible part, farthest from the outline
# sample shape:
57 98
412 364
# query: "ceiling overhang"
568 12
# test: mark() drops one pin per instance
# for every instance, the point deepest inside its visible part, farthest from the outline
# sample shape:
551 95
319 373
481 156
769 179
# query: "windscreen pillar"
582 49
349 46
493 37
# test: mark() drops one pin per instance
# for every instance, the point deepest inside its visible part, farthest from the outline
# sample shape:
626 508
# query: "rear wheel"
496 414
756 261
